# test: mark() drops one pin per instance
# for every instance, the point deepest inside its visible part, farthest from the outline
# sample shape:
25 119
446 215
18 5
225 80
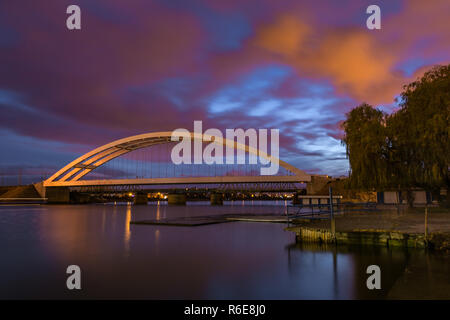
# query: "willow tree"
366 147
409 148
420 132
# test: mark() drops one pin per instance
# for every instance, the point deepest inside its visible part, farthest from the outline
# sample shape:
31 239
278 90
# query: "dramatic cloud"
159 65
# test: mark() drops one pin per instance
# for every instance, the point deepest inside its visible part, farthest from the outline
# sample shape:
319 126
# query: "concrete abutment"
57 195
176 199
216 199
140 199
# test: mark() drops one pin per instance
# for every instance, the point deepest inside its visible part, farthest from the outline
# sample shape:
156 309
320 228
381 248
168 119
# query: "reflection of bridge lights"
127 229
158 213
157 237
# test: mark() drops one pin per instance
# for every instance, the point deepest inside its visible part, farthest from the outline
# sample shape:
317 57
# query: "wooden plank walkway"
214 219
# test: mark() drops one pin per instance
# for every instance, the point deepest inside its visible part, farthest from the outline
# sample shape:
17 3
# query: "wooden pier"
214 219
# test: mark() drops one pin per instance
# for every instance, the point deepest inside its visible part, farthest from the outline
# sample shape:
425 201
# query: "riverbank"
387 228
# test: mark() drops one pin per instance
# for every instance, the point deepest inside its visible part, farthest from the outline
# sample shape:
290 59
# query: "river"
235 260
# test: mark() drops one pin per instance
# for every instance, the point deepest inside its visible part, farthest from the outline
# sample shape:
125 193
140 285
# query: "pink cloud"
107 80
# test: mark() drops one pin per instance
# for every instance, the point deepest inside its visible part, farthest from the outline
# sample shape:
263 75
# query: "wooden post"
330 190
426 224
333 224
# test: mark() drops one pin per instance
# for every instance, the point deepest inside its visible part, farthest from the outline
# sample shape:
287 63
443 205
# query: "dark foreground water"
236 260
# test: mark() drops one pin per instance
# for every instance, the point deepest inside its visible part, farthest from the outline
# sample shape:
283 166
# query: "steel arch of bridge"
71 174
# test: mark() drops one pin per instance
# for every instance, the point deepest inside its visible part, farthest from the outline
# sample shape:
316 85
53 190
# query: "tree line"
409 148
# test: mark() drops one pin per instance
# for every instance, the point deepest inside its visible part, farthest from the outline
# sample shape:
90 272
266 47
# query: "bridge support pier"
216 199
176 198
57 195
81 198
140 198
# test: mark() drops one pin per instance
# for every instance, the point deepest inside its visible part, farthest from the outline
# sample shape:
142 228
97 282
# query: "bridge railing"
320 207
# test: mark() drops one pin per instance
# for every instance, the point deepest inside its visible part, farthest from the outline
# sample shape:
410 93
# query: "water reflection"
347 266
127 229
158 211
157 232
238 260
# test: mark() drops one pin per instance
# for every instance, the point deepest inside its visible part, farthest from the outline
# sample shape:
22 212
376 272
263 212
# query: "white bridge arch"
70 175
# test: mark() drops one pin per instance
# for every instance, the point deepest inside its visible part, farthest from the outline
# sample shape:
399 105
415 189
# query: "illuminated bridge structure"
83 172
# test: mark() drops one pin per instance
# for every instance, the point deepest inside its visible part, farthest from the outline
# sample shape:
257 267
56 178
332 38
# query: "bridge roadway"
178 180
59 191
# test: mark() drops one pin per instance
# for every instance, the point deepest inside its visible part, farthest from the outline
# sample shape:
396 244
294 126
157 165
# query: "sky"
141 66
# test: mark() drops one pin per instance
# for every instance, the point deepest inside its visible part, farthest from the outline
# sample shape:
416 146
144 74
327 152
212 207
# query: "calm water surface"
236 260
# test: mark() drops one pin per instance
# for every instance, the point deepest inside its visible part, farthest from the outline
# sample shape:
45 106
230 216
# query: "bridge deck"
180 180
